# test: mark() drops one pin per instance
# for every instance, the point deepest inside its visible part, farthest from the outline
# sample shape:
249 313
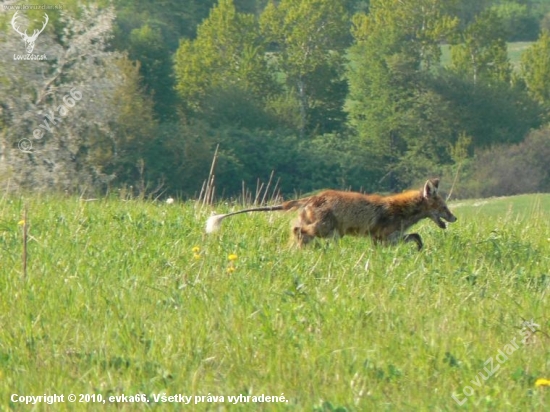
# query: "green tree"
174 18
488 113
180 156
147 46
467 10
133 127
535 70
420 25
481 52
149 32
250 6
228 54
404 124
519 22
487 105
309 39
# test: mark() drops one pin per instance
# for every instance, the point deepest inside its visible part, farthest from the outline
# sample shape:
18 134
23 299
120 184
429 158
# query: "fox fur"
334 213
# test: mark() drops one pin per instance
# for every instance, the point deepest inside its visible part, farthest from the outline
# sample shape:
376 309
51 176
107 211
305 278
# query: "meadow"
128 297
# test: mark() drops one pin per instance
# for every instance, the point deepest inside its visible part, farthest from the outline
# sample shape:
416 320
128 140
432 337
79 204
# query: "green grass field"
130 297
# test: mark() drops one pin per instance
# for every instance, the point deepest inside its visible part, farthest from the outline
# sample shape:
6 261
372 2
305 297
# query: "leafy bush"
509 169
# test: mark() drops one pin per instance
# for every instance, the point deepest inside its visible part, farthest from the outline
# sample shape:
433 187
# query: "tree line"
319 93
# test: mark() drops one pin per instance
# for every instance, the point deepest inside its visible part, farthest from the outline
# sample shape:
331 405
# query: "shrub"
505 170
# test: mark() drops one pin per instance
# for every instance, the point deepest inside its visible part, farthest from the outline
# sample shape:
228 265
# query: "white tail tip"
214 223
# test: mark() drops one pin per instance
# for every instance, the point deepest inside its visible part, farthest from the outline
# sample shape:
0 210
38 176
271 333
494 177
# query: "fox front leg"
414 237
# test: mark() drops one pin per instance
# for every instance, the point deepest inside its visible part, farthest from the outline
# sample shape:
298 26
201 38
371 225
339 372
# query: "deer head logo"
29 41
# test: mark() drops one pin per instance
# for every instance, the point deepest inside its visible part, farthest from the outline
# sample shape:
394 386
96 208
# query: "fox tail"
214 222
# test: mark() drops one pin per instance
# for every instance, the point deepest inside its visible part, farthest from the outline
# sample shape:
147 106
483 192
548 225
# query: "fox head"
436 205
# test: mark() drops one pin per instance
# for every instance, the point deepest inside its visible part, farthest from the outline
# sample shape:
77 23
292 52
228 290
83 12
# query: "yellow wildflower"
196 256
542 382
231 269
232 257
196 249
21 222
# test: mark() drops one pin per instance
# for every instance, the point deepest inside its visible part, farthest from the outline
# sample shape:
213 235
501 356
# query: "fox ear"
430 188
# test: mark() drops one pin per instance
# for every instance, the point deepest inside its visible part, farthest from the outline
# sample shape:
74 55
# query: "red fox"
334 213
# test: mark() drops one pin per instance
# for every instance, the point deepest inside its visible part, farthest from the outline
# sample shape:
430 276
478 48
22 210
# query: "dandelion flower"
196 249
232 257
170 200
196 256
231 269
542 382
21 222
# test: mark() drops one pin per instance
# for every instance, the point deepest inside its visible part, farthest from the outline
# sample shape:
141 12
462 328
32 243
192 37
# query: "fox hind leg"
300 238
305 229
